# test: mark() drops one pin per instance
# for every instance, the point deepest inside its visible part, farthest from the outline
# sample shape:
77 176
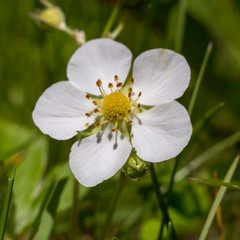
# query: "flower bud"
135 168
53 17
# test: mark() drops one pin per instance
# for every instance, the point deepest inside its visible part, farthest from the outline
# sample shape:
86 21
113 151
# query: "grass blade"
202 122
49 214
199 79
215 183
169 232
218 199
210 153
43 206
111 20
182 11
6 205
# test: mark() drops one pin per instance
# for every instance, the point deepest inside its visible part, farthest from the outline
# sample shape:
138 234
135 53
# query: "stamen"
129 122
96 110
116 78
95 103
139 105
110 85
87 124
88 96
139 94
119 85
97 124
130 90
99 83
129 94
132 81
115 127
87 114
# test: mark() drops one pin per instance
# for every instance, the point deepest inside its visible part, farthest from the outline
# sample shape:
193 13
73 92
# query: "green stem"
111 20
6 205
199 79
160 198
218 200
182 11
112 208
75 210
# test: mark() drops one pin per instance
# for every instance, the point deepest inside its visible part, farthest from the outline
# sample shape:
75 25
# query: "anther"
97 124
110 85
96 110
139 105
129 122
95 103
130 90
132 81
99 83
116 78
114 129
87 124
140 93
88 96
129 110
119 84
129 94
87 114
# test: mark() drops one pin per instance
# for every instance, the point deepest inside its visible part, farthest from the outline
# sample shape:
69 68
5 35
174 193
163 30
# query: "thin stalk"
161 201
182 11
75 209
218 200
169 232
190 109
111 20
6 205
199 79
112 208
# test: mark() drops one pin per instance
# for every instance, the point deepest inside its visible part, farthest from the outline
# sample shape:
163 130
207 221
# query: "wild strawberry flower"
96 96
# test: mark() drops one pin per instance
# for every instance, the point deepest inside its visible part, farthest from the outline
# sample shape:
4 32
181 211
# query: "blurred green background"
32 59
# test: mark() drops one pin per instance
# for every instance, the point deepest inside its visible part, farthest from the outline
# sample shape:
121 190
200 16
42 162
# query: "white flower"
100 68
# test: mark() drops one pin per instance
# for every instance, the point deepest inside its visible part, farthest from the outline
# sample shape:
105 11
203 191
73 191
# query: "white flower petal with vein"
98 157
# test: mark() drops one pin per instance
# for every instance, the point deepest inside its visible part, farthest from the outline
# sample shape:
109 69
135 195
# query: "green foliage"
32 59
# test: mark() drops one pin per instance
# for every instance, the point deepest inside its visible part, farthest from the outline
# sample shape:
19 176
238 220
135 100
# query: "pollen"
115 106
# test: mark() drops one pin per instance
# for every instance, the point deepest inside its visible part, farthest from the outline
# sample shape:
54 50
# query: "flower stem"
112 208
74 230
182 11
161 201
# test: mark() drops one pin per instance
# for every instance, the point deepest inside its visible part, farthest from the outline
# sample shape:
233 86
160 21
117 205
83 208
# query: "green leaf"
215 183
218 199
45 201
6 205
49 214
207 155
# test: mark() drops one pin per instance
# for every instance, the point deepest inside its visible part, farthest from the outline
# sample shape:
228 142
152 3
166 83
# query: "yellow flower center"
115 105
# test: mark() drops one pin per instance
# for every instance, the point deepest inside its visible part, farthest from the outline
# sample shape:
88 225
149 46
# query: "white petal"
99 59
97 158
162 132
60 111
161 75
